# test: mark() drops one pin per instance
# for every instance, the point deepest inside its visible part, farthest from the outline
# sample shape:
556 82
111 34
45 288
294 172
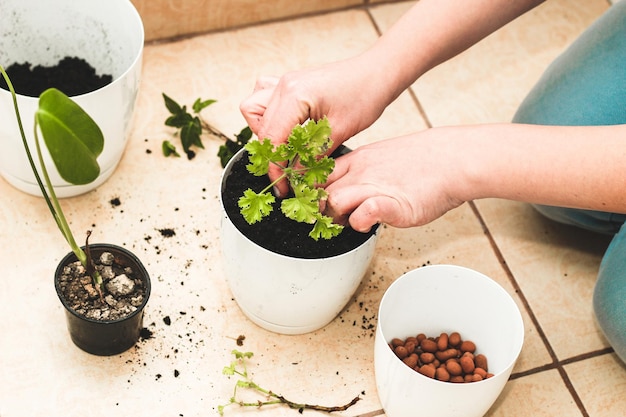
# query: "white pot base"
63 191
280 329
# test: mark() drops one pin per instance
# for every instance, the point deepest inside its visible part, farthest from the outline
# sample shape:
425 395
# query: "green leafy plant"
74 142
306 166
238 367
190 127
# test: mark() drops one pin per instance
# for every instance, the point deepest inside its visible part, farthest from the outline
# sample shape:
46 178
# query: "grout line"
556 364
420 108
574 359
410 90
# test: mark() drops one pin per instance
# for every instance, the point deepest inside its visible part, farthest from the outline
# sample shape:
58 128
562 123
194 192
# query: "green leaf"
179 120
304 206
226 152
72 137
169 149
318 172
190 134
244 135
255 206
325 228
231 147
311 139
198 105
172 106
319 136
260 155
306 166
229 370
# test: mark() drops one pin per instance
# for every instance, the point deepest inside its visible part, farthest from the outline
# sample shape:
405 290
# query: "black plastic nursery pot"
105 337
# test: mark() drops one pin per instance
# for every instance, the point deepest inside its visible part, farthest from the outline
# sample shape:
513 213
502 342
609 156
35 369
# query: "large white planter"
285 294
109 36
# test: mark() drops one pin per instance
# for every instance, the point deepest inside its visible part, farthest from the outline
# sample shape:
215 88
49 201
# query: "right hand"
343 91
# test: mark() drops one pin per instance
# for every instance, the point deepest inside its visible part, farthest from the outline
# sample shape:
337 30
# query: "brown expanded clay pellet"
446 358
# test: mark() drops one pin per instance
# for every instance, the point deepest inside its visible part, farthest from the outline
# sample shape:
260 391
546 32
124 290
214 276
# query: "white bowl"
445 298
109 36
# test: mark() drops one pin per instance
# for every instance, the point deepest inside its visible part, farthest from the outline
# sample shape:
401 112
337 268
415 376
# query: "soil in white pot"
73 76
276 232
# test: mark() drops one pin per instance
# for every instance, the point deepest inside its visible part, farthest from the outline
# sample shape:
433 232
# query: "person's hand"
343 91
403 182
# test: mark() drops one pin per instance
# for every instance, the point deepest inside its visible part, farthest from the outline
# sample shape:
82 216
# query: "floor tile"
487 82
556 268
601 384
538 395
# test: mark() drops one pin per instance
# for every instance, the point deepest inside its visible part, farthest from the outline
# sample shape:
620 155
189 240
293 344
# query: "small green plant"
238 367
190 127
306 166
74 142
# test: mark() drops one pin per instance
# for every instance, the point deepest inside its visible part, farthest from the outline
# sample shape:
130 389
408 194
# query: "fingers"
257 110
355 205
265 82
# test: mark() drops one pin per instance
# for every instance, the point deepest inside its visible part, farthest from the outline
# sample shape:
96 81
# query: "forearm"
432 32
579 167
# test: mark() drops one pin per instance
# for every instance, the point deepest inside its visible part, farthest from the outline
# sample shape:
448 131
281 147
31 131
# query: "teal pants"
586 85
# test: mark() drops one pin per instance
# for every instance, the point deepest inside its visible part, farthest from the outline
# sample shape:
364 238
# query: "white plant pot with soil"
113 323
295 285
107 35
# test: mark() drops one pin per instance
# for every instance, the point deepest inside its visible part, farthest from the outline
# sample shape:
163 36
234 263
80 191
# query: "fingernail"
276 191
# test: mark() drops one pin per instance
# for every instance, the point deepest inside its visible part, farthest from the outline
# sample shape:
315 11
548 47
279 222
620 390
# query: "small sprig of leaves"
238 367
190 127
306 166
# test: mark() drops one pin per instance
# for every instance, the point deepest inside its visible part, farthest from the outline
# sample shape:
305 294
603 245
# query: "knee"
594 221
609 297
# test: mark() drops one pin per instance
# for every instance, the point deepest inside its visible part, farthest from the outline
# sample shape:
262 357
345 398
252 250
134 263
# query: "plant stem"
23 135
273 183
56 211
213 130
48 194
271 397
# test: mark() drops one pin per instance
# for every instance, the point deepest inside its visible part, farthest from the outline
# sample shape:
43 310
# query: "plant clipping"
304 164
238 367
190 127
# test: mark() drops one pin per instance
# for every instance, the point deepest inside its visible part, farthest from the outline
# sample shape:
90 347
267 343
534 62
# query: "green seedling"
190 127
304 165
74 142
238 368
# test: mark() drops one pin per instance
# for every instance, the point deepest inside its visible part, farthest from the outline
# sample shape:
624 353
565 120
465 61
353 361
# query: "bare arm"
354 92
580 167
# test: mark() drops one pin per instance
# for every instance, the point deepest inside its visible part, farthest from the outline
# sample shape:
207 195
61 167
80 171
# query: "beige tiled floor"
565 368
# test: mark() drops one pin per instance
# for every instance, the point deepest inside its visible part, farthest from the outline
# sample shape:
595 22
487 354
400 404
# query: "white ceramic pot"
445 298
285 294
108 35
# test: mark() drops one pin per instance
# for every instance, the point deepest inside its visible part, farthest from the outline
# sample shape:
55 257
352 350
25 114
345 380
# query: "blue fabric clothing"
586 85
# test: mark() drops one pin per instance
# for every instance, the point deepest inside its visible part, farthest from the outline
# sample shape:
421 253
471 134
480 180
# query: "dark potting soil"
124 290
276 232
73 76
